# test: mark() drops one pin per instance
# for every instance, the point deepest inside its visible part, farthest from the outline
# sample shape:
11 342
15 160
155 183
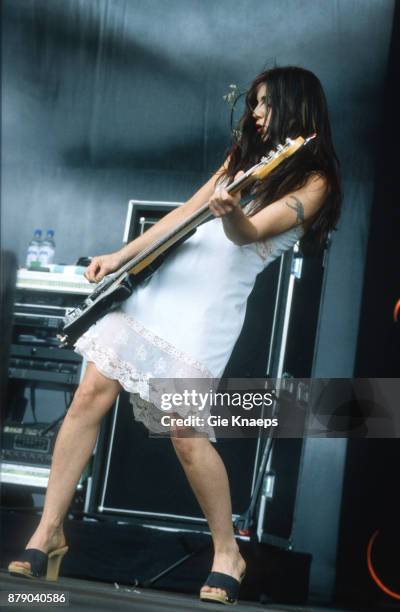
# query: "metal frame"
290 269
151 205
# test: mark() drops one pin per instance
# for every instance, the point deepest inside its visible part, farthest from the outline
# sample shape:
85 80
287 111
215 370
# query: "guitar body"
104 301
79 321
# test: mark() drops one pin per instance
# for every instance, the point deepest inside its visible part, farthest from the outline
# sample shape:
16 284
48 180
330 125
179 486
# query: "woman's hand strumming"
102 265
222 203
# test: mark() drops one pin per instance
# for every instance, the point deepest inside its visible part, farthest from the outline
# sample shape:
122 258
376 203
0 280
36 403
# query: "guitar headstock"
267 164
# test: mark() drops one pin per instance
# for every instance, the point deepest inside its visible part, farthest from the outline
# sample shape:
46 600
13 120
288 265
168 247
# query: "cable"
372 572
396 312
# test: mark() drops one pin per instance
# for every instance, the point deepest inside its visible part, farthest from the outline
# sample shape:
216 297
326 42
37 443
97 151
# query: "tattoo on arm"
298 207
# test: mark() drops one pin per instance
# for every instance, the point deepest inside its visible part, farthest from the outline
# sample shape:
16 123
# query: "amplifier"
66 282
42 301
26 453
41 376
49 365
30 444
140 477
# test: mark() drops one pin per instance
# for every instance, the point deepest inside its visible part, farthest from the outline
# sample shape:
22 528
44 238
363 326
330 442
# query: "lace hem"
110 365
122 349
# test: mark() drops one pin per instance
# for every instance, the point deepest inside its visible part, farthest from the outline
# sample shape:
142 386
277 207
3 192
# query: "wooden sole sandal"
229 584
42 565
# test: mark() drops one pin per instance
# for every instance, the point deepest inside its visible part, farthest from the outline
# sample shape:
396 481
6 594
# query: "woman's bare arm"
104 264
296 208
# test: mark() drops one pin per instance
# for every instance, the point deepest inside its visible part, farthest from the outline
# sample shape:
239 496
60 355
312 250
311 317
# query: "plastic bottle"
47 249
32 254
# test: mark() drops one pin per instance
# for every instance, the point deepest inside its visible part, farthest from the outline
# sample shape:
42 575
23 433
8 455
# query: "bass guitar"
119 285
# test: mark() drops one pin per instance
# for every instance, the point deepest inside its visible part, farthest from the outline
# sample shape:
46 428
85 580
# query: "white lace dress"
184 321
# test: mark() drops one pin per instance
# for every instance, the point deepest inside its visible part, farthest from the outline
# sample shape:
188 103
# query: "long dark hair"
299 108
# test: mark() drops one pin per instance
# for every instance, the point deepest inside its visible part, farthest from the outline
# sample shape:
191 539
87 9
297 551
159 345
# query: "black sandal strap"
225 582
37 559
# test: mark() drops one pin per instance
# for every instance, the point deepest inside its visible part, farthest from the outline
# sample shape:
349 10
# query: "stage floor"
85 595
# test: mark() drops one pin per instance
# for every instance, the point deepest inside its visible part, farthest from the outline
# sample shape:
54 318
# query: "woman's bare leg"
74 446
207 476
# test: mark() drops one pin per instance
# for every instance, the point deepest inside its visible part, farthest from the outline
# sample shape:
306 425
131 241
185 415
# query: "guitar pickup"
73 314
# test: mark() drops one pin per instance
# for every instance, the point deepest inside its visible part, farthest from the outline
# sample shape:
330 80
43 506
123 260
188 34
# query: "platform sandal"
42 564
229 584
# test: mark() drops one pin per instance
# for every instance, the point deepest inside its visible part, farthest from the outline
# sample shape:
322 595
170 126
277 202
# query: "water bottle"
47 249
32 255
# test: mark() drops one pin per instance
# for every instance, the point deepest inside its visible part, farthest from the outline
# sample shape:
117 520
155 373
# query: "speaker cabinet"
140 476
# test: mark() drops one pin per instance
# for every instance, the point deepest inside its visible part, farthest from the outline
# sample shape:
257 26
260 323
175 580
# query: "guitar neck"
256 172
